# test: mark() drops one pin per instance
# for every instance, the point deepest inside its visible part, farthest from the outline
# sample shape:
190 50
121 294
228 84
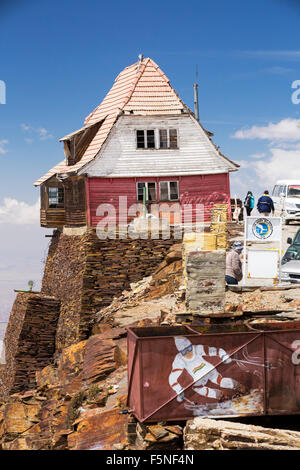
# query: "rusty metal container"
179 372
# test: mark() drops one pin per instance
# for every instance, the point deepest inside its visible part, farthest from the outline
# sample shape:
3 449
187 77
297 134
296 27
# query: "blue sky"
59 59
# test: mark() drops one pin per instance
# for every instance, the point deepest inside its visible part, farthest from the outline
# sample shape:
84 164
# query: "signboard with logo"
263 229
264 261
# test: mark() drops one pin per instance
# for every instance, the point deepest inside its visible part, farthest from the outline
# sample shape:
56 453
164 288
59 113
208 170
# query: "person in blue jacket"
249 202
265 204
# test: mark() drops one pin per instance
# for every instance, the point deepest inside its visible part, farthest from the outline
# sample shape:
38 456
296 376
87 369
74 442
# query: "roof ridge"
140 73
116 80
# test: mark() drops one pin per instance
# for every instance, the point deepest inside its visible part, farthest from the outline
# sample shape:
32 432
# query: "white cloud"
285 130
258 155
3 143
283 164
243 163
282 160
19 212
41 132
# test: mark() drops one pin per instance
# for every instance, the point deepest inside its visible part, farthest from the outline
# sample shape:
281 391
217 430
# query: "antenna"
196 103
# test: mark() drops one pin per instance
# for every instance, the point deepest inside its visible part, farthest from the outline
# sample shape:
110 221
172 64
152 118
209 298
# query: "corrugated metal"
231 371
196 153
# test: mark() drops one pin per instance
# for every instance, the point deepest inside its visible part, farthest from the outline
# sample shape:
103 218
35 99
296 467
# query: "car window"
294 190
297 238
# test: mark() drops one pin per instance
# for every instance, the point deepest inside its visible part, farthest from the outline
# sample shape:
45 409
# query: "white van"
286 198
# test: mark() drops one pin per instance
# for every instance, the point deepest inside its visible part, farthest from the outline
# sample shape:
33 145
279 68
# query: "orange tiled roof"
141 88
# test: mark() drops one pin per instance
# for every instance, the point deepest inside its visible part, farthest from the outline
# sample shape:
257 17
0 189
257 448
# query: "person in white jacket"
190 358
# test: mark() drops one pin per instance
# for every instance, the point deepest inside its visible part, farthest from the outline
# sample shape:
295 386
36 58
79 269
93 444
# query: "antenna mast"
196 103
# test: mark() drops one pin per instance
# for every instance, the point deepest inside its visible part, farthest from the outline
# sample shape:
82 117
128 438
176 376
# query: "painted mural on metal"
179 376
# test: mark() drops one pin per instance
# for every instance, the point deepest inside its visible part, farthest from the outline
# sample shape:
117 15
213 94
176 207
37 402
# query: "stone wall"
205 286
82 275
86 273
29 340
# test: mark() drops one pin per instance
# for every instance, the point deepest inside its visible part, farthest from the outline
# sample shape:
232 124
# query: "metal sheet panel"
283 372
185 373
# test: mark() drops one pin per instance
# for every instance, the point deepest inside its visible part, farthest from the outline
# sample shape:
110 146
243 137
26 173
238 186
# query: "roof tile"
141 87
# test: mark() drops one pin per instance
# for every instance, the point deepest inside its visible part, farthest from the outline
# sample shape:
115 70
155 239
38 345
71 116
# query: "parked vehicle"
290 272
286 198
293 251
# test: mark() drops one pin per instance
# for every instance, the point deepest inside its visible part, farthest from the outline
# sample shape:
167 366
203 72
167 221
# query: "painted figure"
190 358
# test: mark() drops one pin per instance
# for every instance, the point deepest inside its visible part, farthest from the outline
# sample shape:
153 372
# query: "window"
173 138
150 139
163 138
145 139
140 139
149 188
168 191
55 197
168 139
294 190
157 138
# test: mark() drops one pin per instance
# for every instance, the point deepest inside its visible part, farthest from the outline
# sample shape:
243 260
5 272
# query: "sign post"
262 230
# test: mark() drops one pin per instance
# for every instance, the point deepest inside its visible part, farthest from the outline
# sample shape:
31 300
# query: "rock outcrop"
29 340
209 434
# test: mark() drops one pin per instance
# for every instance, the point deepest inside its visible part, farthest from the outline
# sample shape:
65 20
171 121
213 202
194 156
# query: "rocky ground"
80 401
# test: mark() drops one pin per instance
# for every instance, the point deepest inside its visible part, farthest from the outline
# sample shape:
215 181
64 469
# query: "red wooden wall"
200 189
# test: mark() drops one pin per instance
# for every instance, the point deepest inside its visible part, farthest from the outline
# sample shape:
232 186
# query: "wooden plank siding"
195 155
75 202
49 217
198 189
74 213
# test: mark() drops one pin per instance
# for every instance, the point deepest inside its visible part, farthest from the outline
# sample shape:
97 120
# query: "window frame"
58 205
157 141
169 191
145 139
147 193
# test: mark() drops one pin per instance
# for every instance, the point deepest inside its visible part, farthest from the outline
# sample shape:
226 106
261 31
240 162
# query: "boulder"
210 434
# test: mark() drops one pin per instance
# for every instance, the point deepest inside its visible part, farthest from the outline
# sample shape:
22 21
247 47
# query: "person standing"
265 204
249 203
234 273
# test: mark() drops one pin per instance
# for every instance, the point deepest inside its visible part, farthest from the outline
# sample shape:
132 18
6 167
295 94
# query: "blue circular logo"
262 228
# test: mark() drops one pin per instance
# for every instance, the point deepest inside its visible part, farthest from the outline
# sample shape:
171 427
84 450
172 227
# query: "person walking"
234 273
265 204
249 203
